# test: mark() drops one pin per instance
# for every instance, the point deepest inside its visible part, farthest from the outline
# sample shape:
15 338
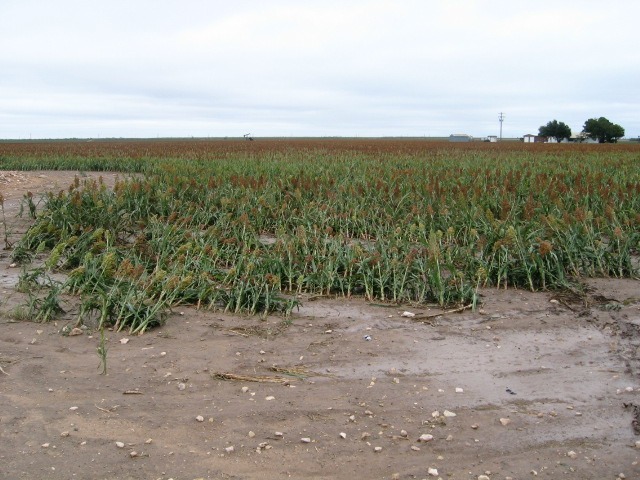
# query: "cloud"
313 68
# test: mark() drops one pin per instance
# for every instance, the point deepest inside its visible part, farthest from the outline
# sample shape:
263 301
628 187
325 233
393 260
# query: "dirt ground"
532 385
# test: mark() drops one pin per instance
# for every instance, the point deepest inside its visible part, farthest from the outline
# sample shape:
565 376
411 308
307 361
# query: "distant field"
244 226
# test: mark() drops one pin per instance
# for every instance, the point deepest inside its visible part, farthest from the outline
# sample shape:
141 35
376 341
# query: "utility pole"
501 118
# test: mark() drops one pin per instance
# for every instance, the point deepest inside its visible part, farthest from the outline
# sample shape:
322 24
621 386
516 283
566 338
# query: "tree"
555 129
602 130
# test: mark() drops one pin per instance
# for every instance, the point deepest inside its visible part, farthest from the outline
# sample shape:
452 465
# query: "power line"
501 118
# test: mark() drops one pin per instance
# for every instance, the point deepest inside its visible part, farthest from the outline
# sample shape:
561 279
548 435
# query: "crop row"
246 229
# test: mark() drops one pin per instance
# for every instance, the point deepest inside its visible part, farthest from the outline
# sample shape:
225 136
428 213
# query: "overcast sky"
148 68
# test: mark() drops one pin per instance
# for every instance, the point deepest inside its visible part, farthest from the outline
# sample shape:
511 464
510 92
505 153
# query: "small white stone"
449 414
124 341
245 389
229 449
120 444
148 441
64 434
403 433
571 454
133 454
505 421
343 435
425 437
415 448
433 472
251 434
45 445
637 443
628 389
459 390
200 418
279 434
483 477
622 476
377 449
181 386
73 409
435 414
162 354
269 398
408 314
305 440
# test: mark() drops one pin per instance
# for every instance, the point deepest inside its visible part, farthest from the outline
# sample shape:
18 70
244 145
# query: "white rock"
425 437
415 448
571 454
45 445
269 398
459 390
124 341
73 409
403 433
245 389
408 314
483 477
305 440
505 421
343 435
229 449
447 413
433 472
200 418
435 414
279 434
377 449
181 386
133 454
637 443
120 444
251 434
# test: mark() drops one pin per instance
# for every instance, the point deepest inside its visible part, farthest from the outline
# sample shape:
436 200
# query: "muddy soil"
531 385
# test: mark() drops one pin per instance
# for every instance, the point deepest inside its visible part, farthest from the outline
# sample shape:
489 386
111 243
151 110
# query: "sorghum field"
247 226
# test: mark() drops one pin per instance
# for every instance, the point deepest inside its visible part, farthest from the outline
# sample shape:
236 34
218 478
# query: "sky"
183 68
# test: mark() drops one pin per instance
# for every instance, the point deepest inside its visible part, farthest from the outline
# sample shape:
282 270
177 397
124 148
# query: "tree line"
600 129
